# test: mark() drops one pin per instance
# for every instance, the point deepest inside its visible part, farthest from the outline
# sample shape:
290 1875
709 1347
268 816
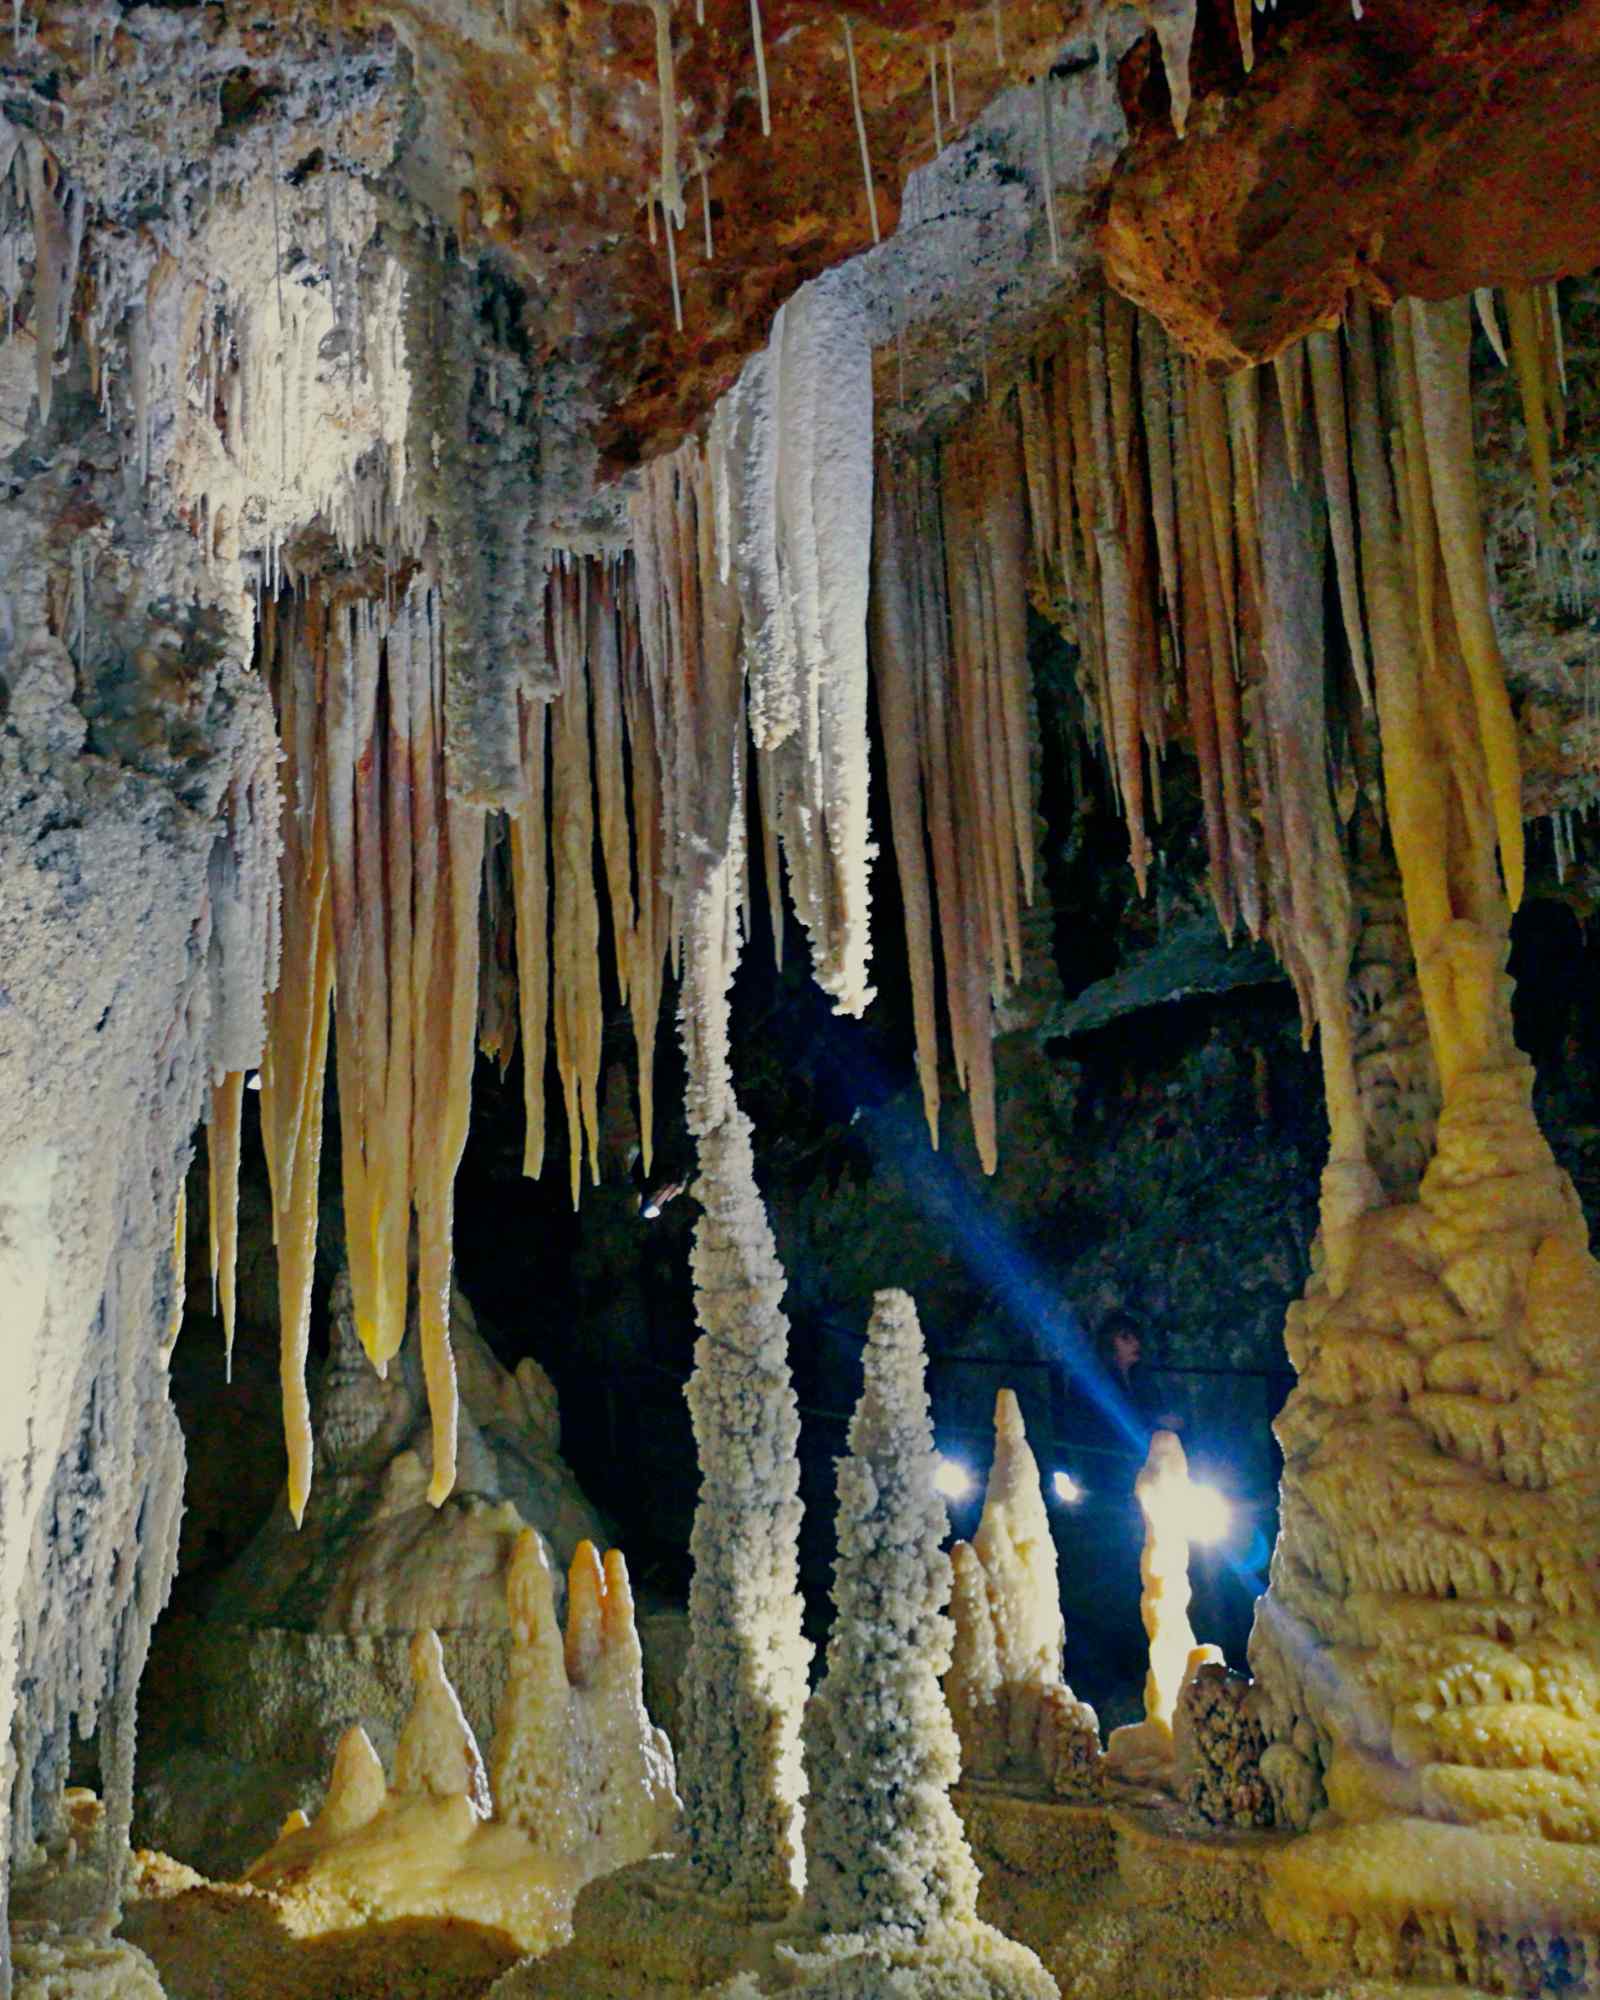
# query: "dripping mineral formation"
1022 510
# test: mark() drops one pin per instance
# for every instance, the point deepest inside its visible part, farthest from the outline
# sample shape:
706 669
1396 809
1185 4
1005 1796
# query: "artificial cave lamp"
722 722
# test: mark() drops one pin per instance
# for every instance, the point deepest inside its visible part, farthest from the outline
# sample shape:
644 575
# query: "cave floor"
1120 1902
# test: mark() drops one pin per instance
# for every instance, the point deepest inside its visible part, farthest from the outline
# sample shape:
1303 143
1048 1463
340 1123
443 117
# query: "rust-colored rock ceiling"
1425 150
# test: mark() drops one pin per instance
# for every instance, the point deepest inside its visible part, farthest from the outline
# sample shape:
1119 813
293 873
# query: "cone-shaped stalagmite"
891 1887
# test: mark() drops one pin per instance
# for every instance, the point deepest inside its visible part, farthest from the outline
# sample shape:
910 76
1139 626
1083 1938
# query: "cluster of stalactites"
590 760
1185 525
380 883
42 215
950 670
753 568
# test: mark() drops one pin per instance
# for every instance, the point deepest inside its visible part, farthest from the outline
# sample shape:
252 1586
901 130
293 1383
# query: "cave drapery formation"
353 705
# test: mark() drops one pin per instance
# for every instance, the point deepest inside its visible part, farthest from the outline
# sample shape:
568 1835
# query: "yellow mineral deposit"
1017 1720
579 1781
1142 1752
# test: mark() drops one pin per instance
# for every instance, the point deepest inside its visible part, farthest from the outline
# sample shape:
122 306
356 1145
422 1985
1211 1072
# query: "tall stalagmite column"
1431 1639
891 1890
739 1769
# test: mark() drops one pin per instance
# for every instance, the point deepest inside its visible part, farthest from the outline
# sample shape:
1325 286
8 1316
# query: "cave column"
1428 1645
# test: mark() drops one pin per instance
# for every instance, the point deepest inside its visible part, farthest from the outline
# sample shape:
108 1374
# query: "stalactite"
897 639
298 1015
799 467
861 127
647 950
1244 21
1047 172
497 997
758 41
1289 371
1293 538
1120 622
668 229
530 876
575 1009
1198 674
1333 430
670 184
1442 337
1522 317
1173 22
222 1161
1155 399
382 881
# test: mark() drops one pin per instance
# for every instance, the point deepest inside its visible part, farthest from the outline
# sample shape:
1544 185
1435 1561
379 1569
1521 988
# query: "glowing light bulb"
953 1479
1068 1491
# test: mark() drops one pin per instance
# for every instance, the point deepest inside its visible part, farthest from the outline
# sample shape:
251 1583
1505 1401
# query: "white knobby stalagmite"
891 1887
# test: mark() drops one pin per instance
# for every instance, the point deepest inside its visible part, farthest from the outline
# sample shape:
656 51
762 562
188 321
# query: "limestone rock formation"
1144 1751
891 1889
370 1554
1218 1745
310 1632
580 1782
1018 1722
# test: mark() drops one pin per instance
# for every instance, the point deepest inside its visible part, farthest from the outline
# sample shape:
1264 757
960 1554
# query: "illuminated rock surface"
322 325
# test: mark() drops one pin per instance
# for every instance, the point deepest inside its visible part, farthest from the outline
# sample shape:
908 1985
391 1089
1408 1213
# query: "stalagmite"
1018 1722
437 1753
1144 1749
891 1888
581 1783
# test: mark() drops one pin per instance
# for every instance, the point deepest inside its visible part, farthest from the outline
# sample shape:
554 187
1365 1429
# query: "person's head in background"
1121 1345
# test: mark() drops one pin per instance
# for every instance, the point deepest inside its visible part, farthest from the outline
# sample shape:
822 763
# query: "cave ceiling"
1418 149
